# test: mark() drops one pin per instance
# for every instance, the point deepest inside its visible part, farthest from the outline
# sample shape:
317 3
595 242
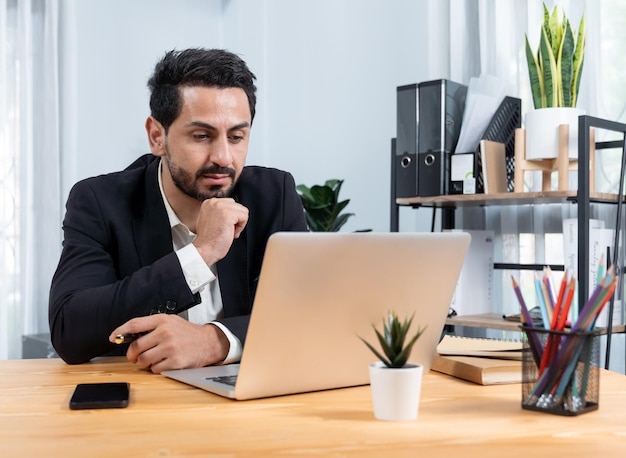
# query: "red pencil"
558 305
554 341
568 303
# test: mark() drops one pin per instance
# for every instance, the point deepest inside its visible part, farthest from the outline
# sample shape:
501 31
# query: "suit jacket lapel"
151 240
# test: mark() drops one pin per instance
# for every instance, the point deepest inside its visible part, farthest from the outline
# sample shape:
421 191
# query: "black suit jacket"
118 263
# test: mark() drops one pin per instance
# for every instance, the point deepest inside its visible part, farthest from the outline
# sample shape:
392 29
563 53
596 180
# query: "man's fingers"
135 326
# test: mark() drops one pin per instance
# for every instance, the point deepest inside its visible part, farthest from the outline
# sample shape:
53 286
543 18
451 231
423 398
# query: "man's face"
206 146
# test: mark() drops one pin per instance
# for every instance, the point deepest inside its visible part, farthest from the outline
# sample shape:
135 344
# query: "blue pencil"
549 282
541 302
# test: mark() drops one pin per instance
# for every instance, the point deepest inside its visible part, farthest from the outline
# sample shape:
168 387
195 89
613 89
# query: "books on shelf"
478 360
600 239
601 244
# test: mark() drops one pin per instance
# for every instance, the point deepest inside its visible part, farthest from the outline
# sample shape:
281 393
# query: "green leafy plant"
393 341
556 68
322 207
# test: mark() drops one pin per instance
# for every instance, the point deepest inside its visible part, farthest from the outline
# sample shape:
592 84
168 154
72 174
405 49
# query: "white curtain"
30 208
474 37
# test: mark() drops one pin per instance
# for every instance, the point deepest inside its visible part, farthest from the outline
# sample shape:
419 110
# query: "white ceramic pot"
396 392
542 132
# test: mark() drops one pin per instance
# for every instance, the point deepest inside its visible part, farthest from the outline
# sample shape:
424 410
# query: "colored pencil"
549 282
601 267
541 301
562 318
533 338
547 299
560 360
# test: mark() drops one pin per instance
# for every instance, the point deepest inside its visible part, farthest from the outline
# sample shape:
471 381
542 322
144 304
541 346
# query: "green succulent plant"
322 208
555 69
393 340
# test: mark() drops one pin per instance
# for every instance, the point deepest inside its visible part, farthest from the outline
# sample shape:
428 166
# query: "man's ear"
156 136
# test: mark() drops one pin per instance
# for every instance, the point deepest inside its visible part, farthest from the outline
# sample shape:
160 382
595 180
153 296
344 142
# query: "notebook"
476 346
484 371
318 292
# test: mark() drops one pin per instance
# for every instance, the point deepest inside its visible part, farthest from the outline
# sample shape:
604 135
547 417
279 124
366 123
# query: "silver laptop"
318 292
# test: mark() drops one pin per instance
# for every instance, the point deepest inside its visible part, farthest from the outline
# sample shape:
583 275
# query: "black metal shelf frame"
582 199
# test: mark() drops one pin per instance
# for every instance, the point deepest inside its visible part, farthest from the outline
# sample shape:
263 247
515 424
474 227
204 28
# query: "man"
170 249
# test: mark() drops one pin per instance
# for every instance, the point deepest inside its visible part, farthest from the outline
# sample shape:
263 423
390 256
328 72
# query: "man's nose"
220 152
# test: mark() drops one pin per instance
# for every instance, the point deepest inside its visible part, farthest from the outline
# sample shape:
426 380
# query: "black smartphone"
100 396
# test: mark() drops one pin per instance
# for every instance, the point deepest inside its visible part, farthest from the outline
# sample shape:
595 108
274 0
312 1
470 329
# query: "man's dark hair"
195 67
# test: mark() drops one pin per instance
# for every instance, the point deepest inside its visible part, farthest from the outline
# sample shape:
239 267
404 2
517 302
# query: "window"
29 164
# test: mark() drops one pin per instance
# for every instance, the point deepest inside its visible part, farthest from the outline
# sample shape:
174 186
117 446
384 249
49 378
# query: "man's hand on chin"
169 342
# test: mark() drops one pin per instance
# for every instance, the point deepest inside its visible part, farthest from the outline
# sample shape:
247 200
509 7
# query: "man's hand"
171 342
221 220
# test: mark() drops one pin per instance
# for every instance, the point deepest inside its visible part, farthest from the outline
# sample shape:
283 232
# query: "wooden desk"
168 418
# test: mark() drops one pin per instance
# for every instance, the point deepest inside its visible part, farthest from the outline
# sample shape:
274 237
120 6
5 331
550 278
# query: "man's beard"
188 184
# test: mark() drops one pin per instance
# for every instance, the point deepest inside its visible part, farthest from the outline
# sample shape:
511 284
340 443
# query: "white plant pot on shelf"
542 132
396 391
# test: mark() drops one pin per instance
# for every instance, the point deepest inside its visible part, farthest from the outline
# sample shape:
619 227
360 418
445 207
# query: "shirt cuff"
235 350
197 273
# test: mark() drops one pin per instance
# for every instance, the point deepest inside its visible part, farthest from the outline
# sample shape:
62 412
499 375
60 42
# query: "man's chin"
217 192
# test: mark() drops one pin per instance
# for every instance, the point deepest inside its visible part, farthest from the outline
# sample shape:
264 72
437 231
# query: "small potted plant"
395 383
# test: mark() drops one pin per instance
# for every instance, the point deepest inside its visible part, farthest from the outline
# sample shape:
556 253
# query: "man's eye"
236 138
200 136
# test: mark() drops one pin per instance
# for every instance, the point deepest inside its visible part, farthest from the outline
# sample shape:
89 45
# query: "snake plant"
555 69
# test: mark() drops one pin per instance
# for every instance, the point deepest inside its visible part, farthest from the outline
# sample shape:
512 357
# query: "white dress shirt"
200 278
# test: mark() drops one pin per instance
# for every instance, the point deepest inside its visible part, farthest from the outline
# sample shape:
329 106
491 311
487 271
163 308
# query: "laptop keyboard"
226 379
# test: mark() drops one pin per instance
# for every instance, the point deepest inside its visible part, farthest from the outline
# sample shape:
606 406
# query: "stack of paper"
484 96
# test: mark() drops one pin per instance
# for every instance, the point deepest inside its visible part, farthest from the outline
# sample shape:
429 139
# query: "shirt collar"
171 215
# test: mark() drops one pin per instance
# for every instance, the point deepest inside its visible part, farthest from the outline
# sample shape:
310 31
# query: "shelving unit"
504 198
583 197
496 321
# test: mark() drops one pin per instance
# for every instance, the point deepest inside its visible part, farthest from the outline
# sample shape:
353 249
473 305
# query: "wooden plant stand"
562 164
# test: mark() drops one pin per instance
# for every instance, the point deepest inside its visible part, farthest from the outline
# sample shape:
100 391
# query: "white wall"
109 49
327 72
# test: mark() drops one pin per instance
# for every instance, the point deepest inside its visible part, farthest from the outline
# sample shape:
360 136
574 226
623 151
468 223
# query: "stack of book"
482 361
